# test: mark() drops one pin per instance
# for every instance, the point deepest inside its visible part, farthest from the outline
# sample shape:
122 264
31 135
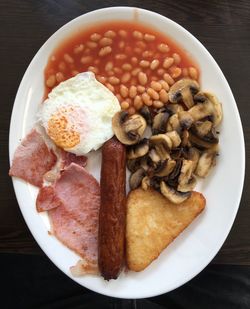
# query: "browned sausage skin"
112 215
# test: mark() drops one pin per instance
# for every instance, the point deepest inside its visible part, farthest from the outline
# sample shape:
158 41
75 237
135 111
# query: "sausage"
112 216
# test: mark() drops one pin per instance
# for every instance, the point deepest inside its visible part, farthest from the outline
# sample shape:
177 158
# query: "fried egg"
78 113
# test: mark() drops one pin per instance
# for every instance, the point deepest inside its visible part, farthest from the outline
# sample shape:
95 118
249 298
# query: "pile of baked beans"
136 63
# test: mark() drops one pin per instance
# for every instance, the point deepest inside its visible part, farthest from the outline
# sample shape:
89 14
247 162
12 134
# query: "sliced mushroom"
185 173
128 129
202 128
174 108
160 123
138 150
175 138
199 97
204 142
145 112
174 124
189 186
162 152
217 113
172 195
173 177
184 90
165 168
162 139
210 108
206 162
145 184
185 138
136 178
133 165
185 119
192 154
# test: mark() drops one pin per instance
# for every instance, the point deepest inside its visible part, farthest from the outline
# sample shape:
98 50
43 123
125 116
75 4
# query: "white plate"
200 242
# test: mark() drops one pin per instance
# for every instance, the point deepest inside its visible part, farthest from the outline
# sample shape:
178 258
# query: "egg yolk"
61 132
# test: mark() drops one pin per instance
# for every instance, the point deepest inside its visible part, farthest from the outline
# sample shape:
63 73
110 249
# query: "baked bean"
124 91
164 84
129 101
110 87
95 37
105 42
177 58
140 89
121 44
74 72
153 94
168 62
127 67
160 71
125 77
51 81
132 92
163 95
109 66
78 49
53 58
156 86
119 98
59 77
93 69
87 51
124 105
163 48
114 80
104 51
140 44
168 79
110 34
101 79
157 104
138 102
110 73
128 50
68 58
193 73
154 64
86 59
149 37
175 72
137 35
185 72
144 63
120 56
135 71
62 66
133 81
97 61
142 77
138 50
147 54
91 44
117 70
154 78
131 111
146 99
123 33
134 60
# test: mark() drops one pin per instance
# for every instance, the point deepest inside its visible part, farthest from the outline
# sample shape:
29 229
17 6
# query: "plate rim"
241 137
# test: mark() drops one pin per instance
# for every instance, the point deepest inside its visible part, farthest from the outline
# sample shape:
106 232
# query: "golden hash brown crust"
153 223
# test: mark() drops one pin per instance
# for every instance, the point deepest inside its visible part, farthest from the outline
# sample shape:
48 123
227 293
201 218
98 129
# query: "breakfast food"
153 222
127 80
183 142
77 114
32 159
112 210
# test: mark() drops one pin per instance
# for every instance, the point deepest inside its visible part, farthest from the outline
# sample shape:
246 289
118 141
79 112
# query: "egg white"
92 107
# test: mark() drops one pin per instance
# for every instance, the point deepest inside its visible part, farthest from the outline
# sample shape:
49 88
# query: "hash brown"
153 223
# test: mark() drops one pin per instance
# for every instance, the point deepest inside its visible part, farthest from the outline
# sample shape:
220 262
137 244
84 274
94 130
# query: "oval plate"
200 242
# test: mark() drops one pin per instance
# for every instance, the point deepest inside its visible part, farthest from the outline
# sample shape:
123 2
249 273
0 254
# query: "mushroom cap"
138 150
128 129
217 114
172 195
184 89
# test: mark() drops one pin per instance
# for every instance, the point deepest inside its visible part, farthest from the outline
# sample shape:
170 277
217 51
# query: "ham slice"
74 218
32 159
